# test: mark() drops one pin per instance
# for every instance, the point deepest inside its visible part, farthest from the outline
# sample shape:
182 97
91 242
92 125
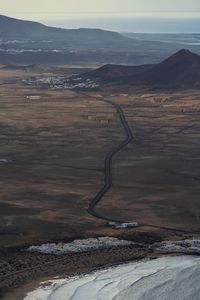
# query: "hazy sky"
37 6
77 13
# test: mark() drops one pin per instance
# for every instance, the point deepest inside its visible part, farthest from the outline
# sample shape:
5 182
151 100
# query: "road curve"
108 162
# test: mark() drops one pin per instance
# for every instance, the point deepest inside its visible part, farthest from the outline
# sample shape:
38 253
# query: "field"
156 179
52 154
55 146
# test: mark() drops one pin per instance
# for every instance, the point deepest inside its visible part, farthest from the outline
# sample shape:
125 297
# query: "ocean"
166 278
129 23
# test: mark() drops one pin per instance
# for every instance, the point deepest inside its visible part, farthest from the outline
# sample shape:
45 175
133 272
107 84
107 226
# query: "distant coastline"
129 23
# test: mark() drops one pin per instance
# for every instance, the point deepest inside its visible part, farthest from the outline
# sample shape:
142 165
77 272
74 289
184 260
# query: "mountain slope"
114 73
181 70
27 42
14 29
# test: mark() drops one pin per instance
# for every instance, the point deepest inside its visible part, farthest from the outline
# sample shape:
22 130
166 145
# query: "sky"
121 15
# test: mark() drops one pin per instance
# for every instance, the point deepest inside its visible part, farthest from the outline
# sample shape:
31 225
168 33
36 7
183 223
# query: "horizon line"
102 12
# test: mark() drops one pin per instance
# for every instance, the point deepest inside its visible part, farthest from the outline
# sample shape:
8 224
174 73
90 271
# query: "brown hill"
179 71
114 73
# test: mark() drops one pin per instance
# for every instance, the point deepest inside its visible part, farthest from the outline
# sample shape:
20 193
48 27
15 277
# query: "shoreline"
50 266
140 278
16 285
22 291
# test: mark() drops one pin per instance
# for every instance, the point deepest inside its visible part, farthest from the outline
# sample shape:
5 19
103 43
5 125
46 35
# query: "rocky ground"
18 268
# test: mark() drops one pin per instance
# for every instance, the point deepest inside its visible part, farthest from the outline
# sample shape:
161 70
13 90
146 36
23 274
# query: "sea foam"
174 278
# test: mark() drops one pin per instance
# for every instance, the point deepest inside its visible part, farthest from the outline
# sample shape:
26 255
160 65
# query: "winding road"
108 163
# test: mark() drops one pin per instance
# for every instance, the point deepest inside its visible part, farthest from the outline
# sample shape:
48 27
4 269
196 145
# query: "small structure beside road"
36 97
122 225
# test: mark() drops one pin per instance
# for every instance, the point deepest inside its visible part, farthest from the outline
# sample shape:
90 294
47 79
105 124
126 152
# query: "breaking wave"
174 278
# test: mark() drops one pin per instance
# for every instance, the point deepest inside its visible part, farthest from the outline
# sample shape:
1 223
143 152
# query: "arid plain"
52 158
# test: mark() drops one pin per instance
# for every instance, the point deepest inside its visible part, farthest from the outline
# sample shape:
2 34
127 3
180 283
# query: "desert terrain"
52 153
156 176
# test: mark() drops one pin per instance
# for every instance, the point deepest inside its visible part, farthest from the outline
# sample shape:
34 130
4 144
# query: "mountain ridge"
113 72
22 29
179 71
29 42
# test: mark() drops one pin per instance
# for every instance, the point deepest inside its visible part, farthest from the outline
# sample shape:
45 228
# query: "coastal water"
130 22
167 278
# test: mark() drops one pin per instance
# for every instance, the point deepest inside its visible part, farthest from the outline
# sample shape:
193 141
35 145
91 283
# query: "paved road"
108 163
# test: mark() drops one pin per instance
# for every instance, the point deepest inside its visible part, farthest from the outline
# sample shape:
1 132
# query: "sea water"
166 278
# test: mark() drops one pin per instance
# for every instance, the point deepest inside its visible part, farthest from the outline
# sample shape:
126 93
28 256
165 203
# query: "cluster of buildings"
64 83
